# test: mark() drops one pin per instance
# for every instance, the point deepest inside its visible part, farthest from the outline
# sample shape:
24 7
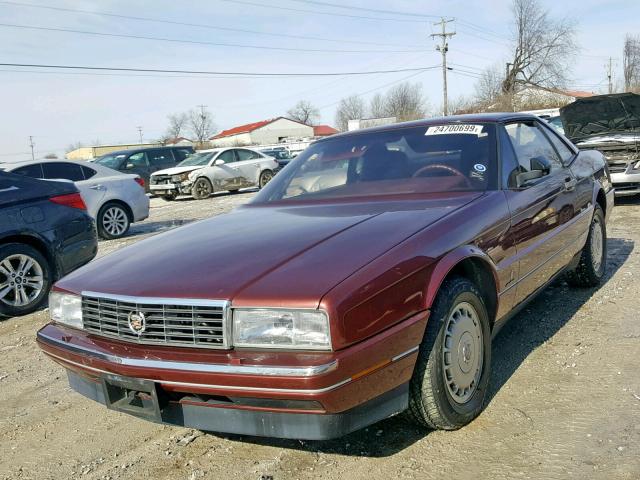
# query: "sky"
58 108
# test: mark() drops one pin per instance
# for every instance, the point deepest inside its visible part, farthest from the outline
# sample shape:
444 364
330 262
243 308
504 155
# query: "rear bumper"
306 395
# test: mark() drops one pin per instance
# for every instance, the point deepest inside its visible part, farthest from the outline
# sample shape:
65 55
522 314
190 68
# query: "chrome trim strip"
405 354
216 387
191 302
307 371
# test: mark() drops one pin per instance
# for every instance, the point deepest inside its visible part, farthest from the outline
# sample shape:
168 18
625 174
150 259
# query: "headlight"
277 328
66 308
180 178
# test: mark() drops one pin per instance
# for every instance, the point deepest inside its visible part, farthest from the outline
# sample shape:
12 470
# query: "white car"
210 171
114 199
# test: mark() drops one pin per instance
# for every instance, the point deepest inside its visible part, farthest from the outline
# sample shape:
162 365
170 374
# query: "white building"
277 130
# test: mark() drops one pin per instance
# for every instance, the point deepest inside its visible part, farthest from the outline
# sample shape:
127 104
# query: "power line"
317 12
196 42
197 25
362 9
197 72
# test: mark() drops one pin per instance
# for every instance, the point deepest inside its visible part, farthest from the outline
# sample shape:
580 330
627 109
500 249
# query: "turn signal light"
73 200
139 181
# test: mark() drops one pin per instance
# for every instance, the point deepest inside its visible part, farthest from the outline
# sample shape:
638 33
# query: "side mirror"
129 166
219 162
542 164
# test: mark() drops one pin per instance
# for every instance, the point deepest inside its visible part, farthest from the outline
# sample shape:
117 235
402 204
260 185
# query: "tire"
113 221
442 404
170 196
265 177
38 279
593 258
201 189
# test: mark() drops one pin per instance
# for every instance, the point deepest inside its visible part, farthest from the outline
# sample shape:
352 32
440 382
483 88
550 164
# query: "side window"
136 160
33 171
181 154
529 142
228 156
566 154
158 158
68 171
247 155
88 172
510 165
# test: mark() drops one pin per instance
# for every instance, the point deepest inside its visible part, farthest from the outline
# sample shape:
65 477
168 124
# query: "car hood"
601 115
263 255
177 170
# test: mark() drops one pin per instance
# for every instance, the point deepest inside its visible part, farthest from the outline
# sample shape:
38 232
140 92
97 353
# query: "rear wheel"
201 189
593 259
25 279
113 221
265 177
452 372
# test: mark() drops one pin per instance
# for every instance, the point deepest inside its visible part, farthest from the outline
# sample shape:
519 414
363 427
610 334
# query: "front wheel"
25 278
170 196
201 189
113 221
265 177
593 258
452 372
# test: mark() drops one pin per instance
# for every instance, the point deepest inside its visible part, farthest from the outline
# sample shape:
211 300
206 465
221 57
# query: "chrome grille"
158 179
179 322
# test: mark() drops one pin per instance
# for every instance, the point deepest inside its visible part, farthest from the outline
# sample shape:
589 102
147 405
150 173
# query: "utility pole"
140 133
443 48
31 144
610 75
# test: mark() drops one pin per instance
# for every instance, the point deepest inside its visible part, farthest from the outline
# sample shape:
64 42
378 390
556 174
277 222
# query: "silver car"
215 170
610 124
114 199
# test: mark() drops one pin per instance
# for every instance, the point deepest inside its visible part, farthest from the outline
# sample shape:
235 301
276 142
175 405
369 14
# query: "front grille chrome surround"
176 322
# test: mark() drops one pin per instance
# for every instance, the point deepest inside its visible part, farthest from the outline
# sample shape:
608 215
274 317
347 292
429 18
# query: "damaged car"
215 170
610 124
366 279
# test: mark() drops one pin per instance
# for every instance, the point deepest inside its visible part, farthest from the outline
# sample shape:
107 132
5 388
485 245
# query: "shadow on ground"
536 324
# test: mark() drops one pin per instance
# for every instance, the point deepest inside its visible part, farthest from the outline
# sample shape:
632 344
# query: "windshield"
111 161
412 160
197 159
278 154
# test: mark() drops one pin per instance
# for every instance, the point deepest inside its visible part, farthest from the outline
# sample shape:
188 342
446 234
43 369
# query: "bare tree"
631 62
201 124
349 108
406 102
304 112
74 146
541 47
177 124
51 156
488 88
378 106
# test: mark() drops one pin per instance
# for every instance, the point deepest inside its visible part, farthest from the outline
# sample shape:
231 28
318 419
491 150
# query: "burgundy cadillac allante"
366 279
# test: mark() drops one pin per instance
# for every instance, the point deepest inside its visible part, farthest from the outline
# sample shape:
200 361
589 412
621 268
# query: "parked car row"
115 200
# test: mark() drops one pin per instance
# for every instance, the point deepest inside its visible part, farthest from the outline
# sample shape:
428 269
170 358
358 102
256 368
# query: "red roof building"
265 132
323 131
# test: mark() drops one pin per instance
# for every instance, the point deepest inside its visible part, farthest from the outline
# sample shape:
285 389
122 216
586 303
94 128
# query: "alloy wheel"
115 221
265 178
597 244
21 280
463 352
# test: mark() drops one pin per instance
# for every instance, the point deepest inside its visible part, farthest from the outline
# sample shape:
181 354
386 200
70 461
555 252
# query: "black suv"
144 161
45 233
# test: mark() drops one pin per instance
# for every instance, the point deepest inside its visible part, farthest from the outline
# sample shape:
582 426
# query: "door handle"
570 184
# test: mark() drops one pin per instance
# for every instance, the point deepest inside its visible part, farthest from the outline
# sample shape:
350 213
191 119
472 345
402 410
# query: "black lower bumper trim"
302 426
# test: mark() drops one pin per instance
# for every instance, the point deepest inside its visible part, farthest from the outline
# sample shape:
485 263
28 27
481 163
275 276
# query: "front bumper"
626 183
305 395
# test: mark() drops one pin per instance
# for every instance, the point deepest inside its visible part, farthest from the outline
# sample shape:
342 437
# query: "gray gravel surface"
564 399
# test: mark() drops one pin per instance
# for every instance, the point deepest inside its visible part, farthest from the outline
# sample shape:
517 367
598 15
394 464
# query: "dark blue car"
45 233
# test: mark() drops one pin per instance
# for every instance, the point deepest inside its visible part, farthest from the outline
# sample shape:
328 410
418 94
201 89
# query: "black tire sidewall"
101 230
194 189
597 275
19 248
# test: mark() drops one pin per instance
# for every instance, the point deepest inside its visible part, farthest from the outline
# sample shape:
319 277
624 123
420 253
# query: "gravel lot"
564 399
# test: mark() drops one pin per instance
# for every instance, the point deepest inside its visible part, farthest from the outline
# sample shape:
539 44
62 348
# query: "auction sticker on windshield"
455 129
